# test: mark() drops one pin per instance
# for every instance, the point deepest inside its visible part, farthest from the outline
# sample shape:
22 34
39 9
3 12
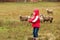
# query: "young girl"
35 20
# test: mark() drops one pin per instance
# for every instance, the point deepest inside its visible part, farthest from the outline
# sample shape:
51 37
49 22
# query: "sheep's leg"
44 21
51 21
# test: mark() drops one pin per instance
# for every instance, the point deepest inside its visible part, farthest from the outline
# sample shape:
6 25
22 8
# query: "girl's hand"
29 17
29 20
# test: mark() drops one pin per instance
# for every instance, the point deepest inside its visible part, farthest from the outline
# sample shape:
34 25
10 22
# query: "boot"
35 38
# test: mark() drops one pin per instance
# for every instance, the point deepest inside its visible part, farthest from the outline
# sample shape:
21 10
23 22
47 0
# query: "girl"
35 20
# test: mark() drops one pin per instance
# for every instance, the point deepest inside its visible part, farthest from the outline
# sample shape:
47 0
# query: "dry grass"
12 29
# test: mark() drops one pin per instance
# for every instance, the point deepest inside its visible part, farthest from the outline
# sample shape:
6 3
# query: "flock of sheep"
43 18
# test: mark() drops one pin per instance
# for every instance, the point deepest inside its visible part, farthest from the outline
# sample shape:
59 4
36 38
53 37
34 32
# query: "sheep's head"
20 17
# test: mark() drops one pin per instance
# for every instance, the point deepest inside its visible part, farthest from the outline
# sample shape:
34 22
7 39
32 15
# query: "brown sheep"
24 18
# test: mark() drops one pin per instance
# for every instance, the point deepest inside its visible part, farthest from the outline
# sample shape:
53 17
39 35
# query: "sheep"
49 11
48 18
24 18
44 18
41 18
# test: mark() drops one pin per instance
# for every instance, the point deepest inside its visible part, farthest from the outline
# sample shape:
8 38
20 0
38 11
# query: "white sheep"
49 11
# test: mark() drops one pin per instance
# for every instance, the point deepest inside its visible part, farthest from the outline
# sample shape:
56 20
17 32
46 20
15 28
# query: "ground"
11 28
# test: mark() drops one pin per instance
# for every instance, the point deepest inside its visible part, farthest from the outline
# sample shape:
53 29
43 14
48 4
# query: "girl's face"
33 13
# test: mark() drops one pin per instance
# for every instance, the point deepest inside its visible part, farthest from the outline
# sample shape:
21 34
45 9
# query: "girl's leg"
35 32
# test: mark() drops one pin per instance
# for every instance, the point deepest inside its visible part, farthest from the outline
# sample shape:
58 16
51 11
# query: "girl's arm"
35 19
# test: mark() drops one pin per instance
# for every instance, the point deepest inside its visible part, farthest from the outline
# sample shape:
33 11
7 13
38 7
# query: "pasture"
11 28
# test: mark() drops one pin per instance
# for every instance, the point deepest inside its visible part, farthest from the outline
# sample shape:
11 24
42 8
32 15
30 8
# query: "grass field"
12 29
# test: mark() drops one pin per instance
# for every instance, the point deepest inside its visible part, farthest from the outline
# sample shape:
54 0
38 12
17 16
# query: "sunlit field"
11 28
